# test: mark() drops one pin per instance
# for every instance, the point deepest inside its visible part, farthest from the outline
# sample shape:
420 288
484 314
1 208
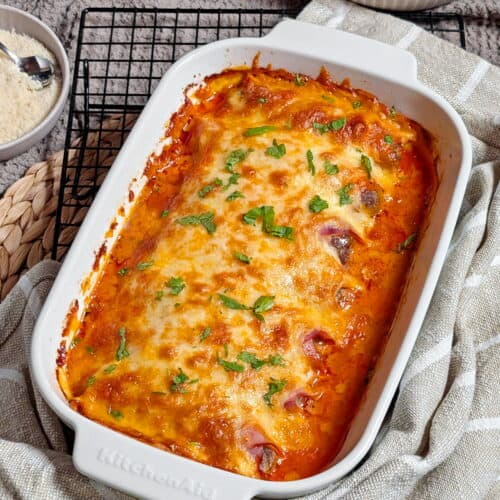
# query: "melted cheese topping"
255 365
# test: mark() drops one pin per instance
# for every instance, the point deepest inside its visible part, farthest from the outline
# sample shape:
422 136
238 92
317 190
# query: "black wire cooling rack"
121 55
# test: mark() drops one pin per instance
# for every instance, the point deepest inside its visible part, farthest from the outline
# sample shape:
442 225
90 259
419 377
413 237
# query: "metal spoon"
37 67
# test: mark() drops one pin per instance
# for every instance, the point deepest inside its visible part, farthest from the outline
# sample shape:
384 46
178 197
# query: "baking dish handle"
148 472
350 50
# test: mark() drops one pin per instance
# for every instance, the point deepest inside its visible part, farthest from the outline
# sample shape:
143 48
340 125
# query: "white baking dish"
391 74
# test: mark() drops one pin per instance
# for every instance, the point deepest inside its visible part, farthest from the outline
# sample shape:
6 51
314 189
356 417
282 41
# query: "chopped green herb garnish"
144 265
110 369
251 359
330 168
367 165
299 81
233 196
205 220
242 257
406 243
232 303
357 104
274 386
317 204
159 294
310 162
267 214
122 347
344 198
338 124
392 112
164 213
288 124
90 349
230 366
321 127
176 285
179 382
328 98
252 215
232 179
282 232
159 393
123 271
116 414
263 304
91 381
205 333
388 139
276 360
177 304
209 188
226 350
235 157
276 150
264 129
262 100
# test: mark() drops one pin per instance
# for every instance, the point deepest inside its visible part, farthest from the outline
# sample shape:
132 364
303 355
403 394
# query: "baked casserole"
239 314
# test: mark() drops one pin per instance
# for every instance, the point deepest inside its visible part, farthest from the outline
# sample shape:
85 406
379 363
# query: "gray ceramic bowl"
21 22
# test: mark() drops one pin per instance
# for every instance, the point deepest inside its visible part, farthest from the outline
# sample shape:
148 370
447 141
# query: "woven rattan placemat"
28 207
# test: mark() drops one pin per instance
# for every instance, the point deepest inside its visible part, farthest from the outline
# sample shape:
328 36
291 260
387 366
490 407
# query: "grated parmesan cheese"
23 103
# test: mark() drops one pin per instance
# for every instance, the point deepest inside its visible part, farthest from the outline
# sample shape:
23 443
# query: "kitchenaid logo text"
190 486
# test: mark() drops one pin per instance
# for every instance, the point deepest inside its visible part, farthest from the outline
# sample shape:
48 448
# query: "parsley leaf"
343 192
357 104
242 257
252 215
298 80
209 188
282 232
251 359
267 214
123 271
276 150
110 369
274 386
144 265
232 303
388 139
392 112
233 196
205 333
233 179
176 285
367 165
262 100
164 213
205 219
90 349
321 127
91 381
275 360
310 162
159 294
263 304
317 204
179 381
230 366
328 98
116 414
331 169
406 243
338 124
251 132
122 352
235 157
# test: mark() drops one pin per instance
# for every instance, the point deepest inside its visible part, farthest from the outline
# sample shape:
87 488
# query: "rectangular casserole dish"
387 72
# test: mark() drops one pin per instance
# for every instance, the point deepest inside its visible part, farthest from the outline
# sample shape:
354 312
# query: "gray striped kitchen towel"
441 438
